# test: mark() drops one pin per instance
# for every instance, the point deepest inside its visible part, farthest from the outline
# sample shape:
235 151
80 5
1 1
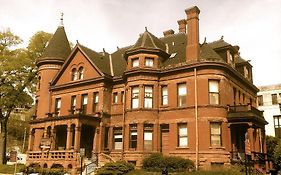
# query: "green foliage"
277 156
43 171
273 146
116 168
156 162
9 169
17 77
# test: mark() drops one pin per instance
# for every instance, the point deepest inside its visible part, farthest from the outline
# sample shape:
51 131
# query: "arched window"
74 74
81 73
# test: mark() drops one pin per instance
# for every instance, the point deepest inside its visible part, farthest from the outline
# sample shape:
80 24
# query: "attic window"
81 73
74 74
149 62
135 62
173 55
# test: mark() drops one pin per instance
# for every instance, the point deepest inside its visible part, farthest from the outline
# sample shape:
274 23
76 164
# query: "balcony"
245 113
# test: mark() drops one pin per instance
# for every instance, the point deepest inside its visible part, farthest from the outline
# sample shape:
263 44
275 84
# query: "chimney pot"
192 47
182 26
168 32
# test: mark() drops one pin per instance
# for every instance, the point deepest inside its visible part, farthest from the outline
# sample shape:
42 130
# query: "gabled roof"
100 60
58 48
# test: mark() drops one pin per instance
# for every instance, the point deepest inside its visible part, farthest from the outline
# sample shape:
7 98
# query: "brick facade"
179 97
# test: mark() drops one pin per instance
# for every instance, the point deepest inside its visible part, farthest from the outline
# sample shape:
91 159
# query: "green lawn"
9 169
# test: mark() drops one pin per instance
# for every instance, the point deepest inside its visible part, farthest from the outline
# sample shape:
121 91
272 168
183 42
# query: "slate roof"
148 41
58 47
219 44
100 60
172 45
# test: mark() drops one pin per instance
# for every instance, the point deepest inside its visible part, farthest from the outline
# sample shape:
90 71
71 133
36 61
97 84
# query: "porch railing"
52 155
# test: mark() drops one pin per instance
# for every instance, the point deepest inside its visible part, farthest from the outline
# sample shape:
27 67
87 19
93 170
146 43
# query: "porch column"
110 136
77 138
95 140
68 138
100 137
31 139
251 139
53 139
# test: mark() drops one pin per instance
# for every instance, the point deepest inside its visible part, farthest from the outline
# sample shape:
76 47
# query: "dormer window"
74 74
149 62
135 62
81 73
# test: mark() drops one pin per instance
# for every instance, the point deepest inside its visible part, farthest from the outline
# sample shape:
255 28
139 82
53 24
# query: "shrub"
156 162
44 171
116 168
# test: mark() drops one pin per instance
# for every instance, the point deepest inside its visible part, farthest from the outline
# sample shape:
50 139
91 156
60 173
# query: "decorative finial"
146 29
205 39
77 41
222 37
61 19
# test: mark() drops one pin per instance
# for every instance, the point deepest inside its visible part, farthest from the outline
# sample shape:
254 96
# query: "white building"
269 101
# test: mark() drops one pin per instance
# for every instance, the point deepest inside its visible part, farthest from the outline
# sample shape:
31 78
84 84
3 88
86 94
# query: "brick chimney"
182 26
192 47
168 32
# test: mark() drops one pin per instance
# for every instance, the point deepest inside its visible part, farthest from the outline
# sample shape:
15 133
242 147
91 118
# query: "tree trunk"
3 142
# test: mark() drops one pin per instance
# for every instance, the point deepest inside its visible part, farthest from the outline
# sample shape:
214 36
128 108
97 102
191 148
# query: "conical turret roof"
58 48
149 41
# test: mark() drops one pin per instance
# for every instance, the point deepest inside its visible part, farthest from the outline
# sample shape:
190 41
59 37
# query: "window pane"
148 103
214 98
84 99
183 142
215 134
135 62
164 95
149 62
182 89
148 136
96 97
135 103
58 103
213 86
183 131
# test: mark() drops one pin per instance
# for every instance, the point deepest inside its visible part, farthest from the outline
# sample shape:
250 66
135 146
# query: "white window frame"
182 92
214 94
215 135
148 96
164 95
182 135
135 97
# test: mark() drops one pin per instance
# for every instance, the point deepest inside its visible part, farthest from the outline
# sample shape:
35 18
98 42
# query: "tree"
273 144
18 77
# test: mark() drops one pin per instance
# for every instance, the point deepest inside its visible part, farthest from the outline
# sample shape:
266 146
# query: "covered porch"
247 127
61 143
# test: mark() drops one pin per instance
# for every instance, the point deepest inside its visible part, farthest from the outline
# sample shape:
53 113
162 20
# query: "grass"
9 169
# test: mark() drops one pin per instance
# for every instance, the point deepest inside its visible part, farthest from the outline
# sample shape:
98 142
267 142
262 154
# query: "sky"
254 25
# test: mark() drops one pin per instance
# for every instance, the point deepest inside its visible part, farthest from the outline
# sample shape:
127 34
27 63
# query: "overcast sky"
254 25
